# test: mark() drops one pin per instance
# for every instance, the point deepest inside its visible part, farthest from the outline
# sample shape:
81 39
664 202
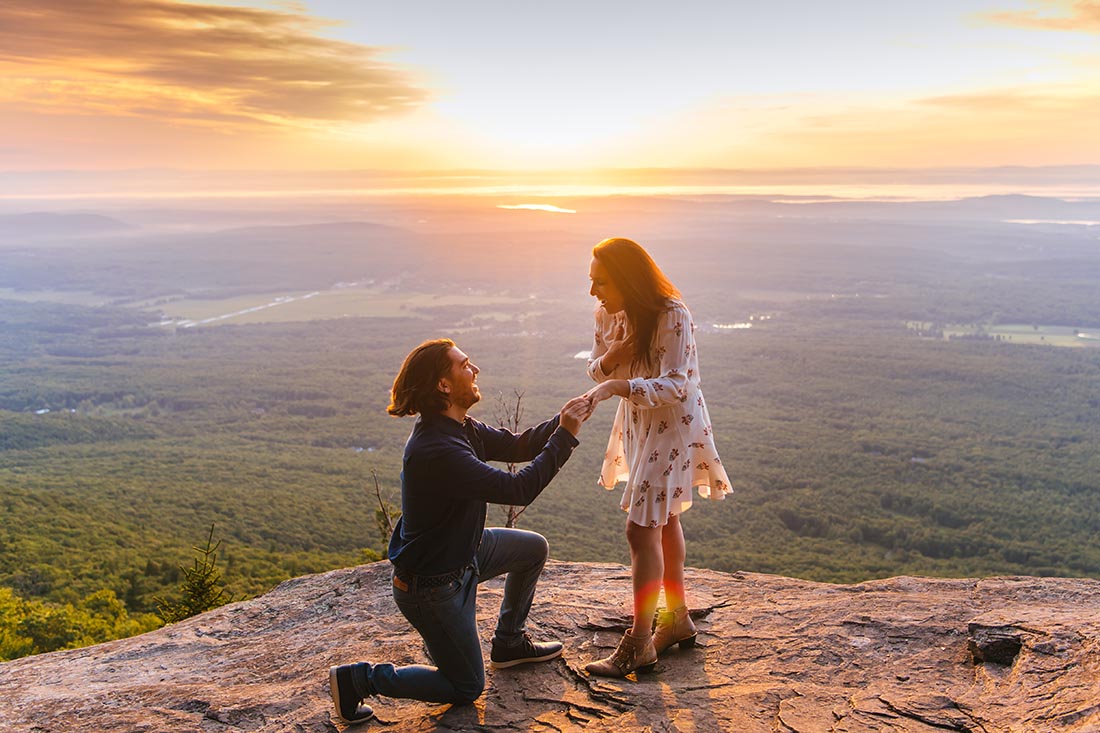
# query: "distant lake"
1079 222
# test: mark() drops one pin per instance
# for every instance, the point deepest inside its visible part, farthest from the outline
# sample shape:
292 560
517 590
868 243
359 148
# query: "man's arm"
471 477
503 445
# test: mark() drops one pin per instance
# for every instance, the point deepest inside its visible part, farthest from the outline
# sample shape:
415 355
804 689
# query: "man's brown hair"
416 387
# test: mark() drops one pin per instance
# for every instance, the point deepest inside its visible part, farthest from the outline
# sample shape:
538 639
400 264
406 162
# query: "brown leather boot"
674 627
633 654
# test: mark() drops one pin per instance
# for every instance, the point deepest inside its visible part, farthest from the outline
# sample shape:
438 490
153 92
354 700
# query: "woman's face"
603 289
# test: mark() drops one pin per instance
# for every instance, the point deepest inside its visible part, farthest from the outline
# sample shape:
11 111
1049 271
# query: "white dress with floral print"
662 442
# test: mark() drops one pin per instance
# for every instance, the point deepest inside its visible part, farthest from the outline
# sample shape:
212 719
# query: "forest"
859 447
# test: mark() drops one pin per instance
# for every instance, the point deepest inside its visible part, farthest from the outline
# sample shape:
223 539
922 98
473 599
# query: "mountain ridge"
50 225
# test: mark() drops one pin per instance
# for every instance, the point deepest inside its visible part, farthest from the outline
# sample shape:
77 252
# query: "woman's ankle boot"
674 627
634 653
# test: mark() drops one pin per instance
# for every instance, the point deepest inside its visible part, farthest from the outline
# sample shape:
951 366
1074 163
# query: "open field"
63 297
321 305
1027 334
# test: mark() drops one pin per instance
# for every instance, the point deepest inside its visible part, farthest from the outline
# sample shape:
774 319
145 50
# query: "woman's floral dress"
662 442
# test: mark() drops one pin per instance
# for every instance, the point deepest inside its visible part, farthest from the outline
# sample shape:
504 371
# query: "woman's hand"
620 348
606 390
618 353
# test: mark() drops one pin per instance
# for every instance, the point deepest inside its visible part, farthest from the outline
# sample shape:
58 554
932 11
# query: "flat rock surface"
774 654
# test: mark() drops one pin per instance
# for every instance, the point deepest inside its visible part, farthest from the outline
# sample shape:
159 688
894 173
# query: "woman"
661 443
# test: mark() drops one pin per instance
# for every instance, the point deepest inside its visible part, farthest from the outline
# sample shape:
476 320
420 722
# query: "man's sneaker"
349 706
523 652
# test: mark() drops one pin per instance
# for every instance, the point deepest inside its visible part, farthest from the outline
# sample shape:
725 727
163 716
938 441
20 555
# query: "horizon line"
801 171
1078 181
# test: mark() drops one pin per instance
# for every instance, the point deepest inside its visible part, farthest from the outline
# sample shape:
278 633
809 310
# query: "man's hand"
575 412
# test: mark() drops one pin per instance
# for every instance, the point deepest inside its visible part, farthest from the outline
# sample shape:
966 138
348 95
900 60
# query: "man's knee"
467 692
540 547
536 550
531 545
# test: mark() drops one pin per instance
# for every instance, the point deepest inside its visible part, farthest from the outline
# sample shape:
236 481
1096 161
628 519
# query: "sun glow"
537 207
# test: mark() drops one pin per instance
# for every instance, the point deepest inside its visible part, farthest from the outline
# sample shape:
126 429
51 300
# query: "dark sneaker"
523 652
349 706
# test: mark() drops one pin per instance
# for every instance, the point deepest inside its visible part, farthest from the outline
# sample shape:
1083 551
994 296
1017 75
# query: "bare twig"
509 415
383 510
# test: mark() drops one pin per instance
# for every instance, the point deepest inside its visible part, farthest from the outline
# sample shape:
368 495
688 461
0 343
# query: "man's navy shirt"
446 484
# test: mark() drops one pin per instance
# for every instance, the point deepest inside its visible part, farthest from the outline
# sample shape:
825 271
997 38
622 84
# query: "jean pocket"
446 592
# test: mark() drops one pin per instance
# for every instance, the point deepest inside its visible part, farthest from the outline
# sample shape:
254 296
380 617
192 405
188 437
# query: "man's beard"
468 400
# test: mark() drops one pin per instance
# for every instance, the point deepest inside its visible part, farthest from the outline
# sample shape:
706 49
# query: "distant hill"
45 225
1011 207
996 208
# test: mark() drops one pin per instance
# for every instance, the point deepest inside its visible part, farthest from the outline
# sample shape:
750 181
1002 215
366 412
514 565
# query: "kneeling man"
440 548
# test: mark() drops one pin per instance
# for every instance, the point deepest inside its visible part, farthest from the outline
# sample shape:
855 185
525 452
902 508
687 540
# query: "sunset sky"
415 86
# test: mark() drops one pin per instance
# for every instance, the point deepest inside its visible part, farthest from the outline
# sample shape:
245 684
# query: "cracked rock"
780 655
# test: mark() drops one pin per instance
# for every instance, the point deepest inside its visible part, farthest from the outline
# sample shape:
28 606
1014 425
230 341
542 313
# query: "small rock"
994 644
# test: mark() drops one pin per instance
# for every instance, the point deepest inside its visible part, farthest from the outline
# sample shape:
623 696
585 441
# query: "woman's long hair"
646 290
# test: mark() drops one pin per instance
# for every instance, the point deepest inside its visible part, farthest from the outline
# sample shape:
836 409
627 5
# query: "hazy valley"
896 387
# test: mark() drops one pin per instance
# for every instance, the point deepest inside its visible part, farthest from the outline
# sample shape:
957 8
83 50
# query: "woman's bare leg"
673 552
647 571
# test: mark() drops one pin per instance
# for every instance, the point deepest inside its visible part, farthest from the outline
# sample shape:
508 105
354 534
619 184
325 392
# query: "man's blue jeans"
446 618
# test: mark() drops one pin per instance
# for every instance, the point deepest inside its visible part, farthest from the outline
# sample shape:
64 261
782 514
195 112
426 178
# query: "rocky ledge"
774 654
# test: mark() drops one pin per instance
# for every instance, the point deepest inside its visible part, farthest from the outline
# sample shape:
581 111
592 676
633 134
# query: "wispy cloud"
1024 125
199 63
1053 15
1038 103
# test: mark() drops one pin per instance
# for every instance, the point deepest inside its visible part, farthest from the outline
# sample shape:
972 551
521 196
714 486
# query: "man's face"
460 384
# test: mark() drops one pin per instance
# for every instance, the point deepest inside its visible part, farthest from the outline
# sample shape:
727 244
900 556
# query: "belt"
413 582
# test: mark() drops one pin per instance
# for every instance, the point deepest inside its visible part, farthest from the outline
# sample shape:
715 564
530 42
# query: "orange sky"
100 85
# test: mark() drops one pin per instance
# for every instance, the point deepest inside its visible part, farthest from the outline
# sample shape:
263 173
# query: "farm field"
347 302
1064 336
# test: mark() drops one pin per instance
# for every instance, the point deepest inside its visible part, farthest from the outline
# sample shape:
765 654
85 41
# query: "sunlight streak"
537 207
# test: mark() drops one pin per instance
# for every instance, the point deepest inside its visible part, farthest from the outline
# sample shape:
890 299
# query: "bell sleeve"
603 322
674 351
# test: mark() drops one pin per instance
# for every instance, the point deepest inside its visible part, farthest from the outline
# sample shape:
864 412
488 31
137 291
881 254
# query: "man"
440 548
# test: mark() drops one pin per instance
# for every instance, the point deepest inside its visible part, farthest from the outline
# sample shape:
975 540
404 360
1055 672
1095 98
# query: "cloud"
1021 126
1062 15
1024 125
192 63
1021 102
